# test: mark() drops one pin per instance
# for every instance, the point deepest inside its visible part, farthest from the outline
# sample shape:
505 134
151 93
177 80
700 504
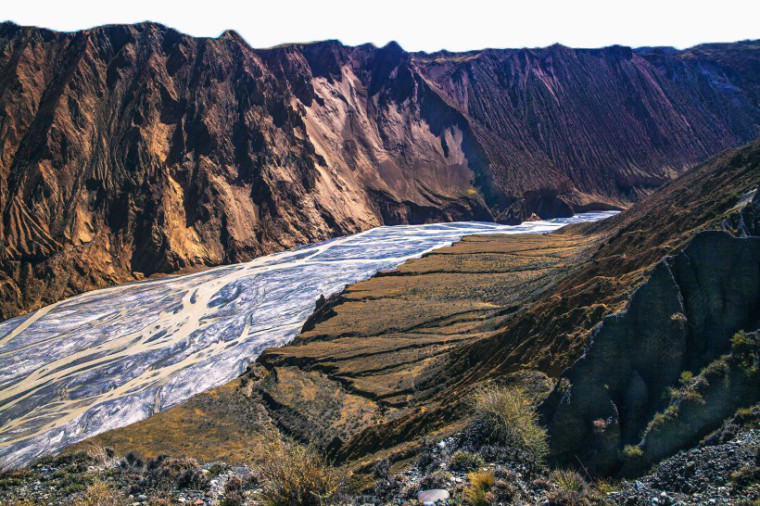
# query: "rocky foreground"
722 470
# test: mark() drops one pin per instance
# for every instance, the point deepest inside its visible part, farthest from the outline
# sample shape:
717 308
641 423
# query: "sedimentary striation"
131 151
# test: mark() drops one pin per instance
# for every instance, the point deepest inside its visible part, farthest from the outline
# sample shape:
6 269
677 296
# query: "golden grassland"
366 363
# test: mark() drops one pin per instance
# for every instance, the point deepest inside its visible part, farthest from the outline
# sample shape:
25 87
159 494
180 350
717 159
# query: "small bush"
686 377
746 476
511 418
562 498
481 482
504 488
693 396
232 498
633 452
739 340
293 474
98 453
466 461
747 347
217 468
568 481
14 478
660 419
436 479
604 487
134 459
100 494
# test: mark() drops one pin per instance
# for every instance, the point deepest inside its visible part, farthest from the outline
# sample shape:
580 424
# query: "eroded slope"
130 151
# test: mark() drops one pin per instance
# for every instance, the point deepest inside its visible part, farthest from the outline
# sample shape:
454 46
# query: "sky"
419 25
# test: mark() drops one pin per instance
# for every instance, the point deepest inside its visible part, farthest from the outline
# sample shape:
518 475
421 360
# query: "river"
112 357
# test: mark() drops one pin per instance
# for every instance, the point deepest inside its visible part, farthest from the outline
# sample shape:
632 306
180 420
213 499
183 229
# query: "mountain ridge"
134 150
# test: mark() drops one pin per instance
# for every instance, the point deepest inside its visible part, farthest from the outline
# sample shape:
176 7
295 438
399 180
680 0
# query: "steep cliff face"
612 124
134 150
681 319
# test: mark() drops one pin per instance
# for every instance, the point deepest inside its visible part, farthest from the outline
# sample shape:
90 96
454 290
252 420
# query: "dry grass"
511 418
568 481
97 451
100 494
481 483
292 474
439 303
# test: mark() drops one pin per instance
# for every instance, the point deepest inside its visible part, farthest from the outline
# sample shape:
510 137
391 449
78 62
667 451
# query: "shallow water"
115 356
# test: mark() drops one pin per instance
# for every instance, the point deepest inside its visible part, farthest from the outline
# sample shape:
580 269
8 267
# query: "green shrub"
511 419
466 461
633 452
686 377
659 419
739 339
604 487
747 347
216 469
693 396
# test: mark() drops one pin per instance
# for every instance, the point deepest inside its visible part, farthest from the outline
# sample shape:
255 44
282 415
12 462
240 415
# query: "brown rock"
134 150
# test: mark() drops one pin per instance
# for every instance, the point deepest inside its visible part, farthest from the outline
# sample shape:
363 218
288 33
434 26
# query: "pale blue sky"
419 25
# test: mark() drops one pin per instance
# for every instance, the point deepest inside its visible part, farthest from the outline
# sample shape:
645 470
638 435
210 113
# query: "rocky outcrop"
130 151
681 319
701 404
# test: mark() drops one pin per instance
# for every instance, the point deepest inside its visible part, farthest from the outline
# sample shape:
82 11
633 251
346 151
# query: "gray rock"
432 496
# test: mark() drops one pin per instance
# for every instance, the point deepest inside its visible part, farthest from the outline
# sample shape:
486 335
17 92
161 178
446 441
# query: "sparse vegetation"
660 419
511 418
233 492
633 452
165 473
100 494
604 487
746 476
746 346
437 479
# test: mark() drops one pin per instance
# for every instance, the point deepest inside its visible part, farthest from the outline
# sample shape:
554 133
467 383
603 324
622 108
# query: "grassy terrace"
368 357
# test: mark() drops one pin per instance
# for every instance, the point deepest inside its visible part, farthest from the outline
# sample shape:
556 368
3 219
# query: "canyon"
130 151
206 247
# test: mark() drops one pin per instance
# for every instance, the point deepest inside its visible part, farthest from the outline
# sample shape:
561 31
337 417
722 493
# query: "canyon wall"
134 150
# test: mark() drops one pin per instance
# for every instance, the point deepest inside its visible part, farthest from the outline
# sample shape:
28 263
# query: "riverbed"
112 357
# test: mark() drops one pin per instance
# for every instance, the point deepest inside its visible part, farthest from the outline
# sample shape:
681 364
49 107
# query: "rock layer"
130 151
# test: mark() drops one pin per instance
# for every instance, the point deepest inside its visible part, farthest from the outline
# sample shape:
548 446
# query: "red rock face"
128 151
